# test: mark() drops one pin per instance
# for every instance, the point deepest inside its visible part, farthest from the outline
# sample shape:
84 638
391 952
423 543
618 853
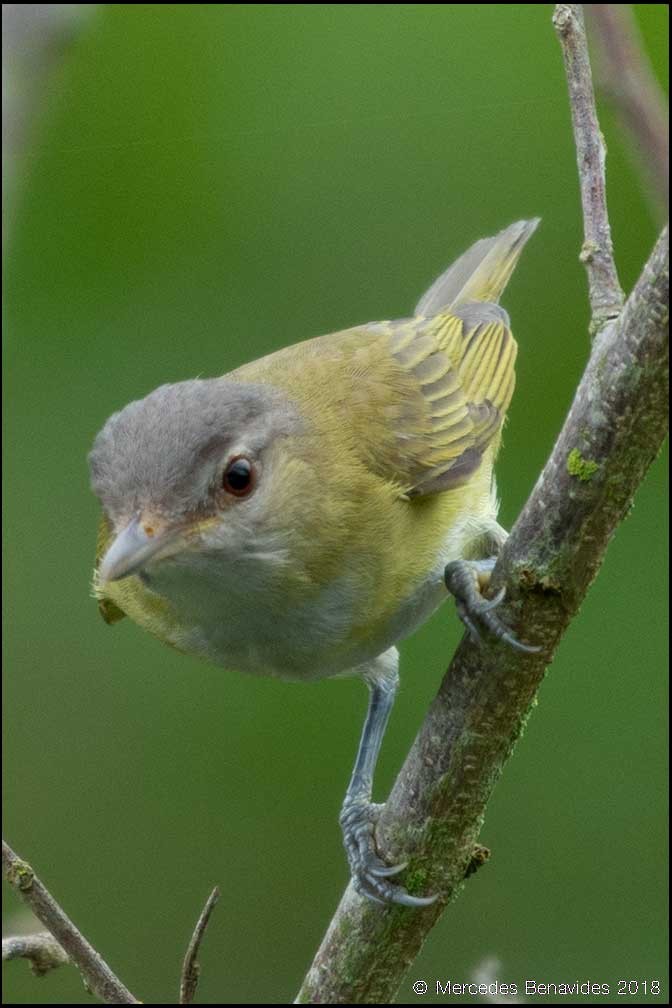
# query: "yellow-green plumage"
389 477
302 515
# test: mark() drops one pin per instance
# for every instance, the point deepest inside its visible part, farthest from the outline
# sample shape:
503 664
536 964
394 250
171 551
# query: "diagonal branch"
606 296
613 431
97 975
434 814
626 78
433 817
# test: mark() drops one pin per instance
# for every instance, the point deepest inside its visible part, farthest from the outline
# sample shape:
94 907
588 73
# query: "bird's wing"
428 396
419 400
463 364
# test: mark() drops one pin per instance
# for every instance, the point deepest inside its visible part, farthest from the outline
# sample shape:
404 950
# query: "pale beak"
132 549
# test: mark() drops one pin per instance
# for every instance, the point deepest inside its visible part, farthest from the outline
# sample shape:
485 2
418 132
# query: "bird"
303 514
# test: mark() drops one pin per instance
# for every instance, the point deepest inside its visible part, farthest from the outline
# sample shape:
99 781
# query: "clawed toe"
499 629
489 604
474 610
381 870
370 874
381 891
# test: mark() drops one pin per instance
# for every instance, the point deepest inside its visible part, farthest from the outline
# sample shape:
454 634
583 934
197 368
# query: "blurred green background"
211 182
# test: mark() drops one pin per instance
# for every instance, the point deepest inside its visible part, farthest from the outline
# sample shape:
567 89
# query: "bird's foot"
466 580
370 874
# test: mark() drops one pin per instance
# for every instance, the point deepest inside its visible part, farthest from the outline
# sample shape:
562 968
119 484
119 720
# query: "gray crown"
156 450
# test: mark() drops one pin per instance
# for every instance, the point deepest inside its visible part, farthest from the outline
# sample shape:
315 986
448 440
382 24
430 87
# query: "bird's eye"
238 477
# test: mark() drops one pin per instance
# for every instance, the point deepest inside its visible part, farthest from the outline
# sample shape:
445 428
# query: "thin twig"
606 296
97 975
191 969
41 949
625 76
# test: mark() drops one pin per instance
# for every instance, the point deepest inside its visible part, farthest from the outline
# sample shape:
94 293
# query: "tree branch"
434 814
41 949
435 811
606 296
613 431
191 969
97 975
625 75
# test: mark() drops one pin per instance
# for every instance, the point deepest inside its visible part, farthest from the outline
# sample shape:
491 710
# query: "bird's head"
192 467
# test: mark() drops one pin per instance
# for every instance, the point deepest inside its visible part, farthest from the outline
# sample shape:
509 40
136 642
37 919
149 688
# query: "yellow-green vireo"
301 515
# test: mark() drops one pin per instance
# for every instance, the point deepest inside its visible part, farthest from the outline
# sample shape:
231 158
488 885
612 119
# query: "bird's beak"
133 547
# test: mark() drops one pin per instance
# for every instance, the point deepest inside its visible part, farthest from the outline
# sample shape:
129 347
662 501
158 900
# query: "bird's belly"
254 623
253 615
262 628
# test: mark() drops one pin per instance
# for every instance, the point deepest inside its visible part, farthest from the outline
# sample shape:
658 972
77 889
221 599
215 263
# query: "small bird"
303 514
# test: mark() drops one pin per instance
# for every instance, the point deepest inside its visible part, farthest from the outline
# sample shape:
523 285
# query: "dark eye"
238 478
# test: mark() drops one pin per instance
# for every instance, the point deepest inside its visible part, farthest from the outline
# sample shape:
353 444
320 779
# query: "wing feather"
463 370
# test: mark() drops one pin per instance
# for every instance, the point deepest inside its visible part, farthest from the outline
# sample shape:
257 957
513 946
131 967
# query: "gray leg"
358 816
466 580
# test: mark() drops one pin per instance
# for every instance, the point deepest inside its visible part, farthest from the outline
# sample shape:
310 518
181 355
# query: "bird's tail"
480 274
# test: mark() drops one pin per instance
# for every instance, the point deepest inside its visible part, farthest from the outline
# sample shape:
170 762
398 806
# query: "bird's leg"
467 580
358 817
